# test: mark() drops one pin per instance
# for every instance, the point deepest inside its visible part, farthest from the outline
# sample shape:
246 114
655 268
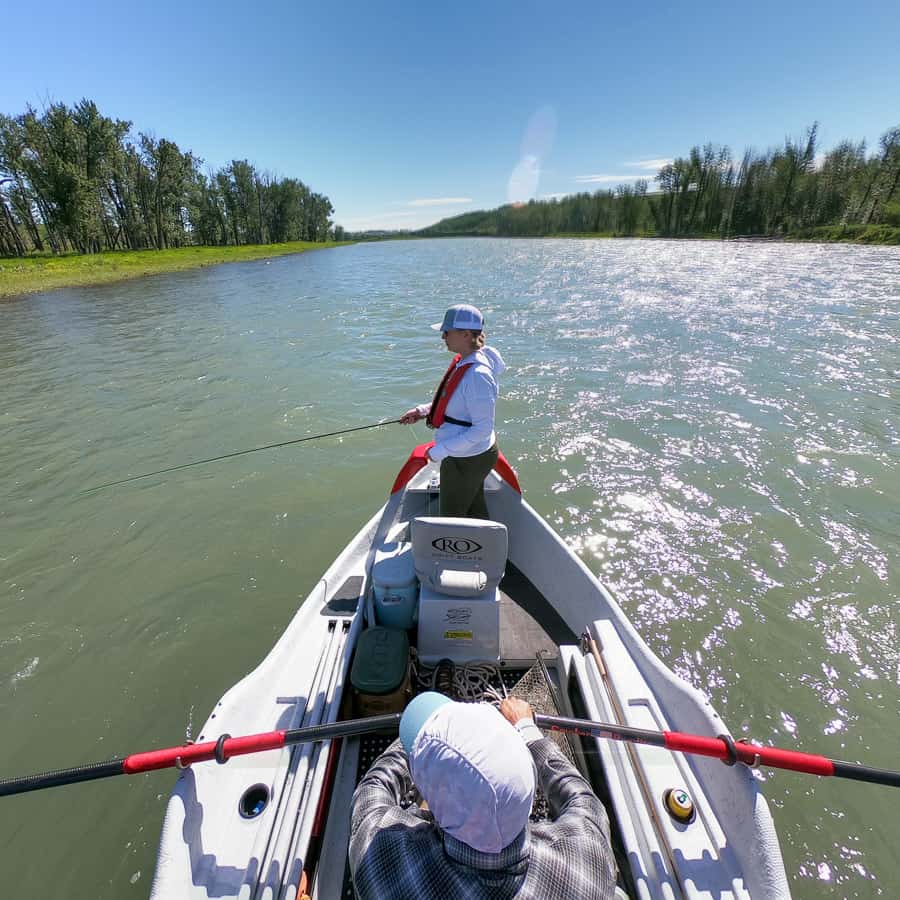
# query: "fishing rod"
200 462
221 750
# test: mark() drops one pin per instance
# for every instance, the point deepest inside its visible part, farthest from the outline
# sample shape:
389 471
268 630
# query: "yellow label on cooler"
458 635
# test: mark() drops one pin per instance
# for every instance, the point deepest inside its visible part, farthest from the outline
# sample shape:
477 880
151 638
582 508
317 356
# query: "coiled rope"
469 683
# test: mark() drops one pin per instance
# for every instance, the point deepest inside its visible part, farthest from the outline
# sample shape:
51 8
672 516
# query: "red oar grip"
694 743
785 759
751 754
191 753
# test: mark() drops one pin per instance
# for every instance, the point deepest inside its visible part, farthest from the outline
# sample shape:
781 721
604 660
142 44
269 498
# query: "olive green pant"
462 484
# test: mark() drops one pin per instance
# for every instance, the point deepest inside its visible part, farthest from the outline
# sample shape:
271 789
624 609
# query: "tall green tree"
73 179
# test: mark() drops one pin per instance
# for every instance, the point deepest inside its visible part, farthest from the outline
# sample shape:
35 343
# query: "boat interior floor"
528 621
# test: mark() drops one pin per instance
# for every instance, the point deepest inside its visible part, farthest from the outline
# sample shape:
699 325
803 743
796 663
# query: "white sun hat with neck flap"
472 767
462 317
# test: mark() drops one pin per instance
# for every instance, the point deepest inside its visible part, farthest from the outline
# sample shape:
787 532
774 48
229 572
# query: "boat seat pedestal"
460 563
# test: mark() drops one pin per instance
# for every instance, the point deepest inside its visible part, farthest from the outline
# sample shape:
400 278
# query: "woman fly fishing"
462 413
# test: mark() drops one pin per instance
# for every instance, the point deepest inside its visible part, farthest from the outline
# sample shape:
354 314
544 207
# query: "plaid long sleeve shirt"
398 853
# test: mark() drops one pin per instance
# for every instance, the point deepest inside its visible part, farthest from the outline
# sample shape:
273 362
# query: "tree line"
786 191
74 180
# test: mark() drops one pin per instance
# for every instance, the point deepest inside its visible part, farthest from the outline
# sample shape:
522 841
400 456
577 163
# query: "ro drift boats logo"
458 545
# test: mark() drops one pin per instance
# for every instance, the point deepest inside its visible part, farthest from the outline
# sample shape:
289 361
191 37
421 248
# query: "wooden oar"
723 747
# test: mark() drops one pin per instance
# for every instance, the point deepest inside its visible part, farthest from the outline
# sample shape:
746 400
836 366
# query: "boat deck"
521 637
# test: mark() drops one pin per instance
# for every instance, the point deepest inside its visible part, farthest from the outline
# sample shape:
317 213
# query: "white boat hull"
207 849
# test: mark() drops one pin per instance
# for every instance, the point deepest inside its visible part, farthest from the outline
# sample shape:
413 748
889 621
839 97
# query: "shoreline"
887 236
21 276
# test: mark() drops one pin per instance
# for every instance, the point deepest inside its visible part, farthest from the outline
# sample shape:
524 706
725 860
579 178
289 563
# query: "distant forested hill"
789 191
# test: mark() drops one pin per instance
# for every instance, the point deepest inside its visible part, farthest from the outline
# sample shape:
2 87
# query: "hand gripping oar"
180 757
724 748
200 462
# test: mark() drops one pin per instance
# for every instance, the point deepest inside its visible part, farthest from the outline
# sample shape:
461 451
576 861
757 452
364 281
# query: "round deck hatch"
253 801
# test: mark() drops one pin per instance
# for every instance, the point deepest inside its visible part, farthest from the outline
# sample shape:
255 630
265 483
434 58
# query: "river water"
713 427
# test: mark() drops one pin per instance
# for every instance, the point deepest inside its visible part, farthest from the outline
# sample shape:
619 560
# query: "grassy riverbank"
44 273
850 234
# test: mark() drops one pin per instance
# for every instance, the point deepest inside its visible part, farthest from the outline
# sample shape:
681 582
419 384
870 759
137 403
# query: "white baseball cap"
472 767
463 316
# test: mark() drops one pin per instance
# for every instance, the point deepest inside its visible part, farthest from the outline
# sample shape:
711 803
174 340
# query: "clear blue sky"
405 113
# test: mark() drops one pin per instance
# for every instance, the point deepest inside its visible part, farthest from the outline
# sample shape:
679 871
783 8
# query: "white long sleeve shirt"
474 400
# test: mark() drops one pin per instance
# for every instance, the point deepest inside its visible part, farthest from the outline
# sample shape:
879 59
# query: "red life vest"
449 383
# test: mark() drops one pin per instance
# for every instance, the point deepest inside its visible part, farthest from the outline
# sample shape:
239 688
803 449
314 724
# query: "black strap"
453 421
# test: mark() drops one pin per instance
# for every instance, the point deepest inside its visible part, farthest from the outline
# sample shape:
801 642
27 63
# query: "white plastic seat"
459 557
460 563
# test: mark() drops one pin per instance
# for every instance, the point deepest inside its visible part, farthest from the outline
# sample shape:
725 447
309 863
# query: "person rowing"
474 767
462 413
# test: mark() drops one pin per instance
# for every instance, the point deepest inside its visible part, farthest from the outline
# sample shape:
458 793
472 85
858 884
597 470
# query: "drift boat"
472 607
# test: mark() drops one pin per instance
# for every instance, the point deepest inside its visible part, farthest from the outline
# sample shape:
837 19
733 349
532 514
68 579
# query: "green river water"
715 428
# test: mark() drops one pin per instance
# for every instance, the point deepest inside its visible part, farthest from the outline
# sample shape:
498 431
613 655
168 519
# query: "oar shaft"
865 773
750 754
605 730
222 749
254 743
779 758
387 722
717 748
193 753
38 782
226 747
